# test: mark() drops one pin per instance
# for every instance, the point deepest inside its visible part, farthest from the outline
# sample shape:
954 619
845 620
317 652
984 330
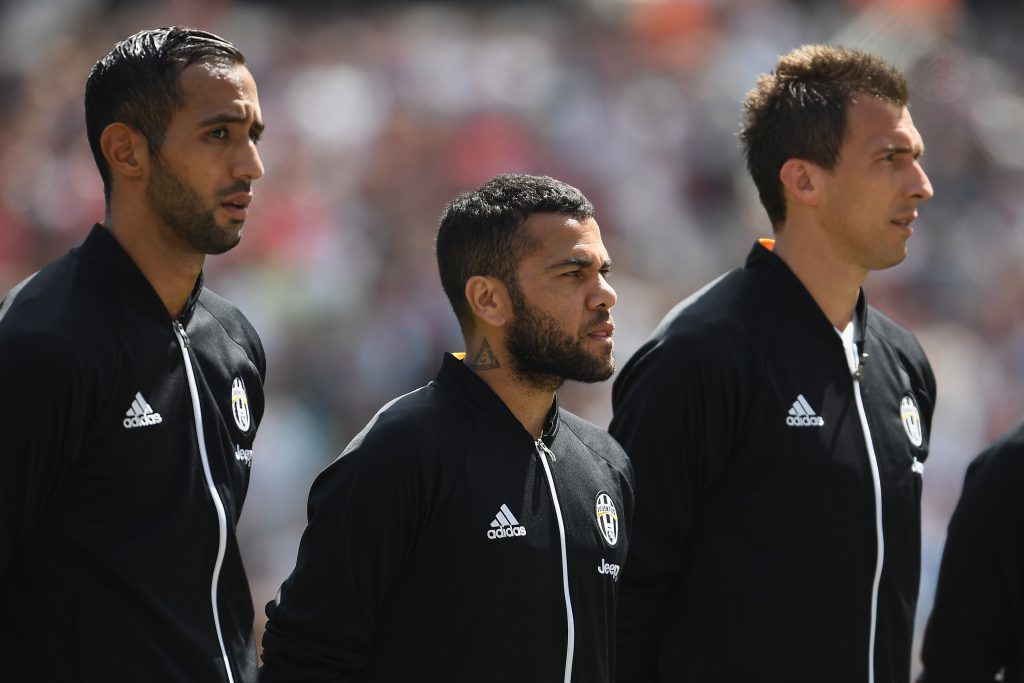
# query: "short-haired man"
131 394
777 424
474 530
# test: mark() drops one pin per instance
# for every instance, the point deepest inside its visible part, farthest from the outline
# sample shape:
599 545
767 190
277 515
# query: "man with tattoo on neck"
474 530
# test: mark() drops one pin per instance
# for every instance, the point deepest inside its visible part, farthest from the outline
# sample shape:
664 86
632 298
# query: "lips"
602 331
241 200
905 220
237 205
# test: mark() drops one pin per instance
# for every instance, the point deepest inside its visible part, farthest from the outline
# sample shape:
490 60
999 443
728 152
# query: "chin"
604 372
226 245
889 262
234 233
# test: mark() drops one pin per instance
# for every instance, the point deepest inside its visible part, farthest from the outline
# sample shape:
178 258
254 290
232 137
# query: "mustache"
600 318
235 188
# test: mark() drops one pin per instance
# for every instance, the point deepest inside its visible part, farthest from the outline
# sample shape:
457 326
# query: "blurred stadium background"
377 114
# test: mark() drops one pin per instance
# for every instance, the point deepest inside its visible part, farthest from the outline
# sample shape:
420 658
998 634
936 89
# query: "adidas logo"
803 415
505 525
141 414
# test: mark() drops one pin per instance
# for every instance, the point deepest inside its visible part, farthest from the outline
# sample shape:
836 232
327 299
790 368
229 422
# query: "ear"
802 180
125 150
488 300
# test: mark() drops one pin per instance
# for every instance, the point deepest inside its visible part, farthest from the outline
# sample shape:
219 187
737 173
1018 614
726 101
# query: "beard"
543 356
181 209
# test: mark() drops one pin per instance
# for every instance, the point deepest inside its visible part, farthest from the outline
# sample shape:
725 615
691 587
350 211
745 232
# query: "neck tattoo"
485 358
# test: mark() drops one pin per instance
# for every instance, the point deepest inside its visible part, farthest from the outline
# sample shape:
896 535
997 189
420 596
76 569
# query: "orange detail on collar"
767 242
461 355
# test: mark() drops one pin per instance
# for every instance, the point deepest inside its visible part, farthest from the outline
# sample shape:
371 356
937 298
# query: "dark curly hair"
481 231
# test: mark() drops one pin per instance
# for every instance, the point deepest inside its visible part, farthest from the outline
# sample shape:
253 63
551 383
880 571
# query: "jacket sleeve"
674 414
973 630
41 430
363 519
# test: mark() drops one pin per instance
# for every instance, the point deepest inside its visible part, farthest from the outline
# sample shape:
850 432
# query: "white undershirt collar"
850 343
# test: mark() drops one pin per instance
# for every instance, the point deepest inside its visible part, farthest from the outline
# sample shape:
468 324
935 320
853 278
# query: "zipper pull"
857 376
181 332
542 449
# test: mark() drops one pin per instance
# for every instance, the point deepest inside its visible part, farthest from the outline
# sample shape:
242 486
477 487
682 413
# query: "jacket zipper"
876 481
542 451
222 518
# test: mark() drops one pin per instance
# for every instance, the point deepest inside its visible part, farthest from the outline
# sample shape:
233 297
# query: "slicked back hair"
482 231
799 111
136 84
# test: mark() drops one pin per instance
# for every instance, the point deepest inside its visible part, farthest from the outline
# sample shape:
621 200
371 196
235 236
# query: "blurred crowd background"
379 113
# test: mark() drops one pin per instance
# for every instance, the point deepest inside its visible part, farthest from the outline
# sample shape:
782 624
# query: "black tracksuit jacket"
754 547
976 628
434 550
118 556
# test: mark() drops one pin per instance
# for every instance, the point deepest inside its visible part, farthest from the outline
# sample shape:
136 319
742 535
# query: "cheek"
562 314
571 306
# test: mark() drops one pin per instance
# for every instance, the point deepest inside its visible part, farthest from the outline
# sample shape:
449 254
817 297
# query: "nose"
920 187
604 296
249 166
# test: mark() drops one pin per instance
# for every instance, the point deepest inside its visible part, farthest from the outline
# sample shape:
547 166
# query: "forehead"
873 123
555 237
213 87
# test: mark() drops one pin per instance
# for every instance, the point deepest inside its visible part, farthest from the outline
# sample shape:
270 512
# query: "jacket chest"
151 414
812 406
504 520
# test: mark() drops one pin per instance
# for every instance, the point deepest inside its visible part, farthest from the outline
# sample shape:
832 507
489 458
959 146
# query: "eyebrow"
901 149
580 261
229 117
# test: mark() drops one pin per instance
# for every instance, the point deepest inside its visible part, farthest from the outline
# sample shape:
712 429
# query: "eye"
255 136
219 133
572 273
606 273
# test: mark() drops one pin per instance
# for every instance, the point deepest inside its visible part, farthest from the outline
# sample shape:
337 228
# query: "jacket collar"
790 290
455 375
118 271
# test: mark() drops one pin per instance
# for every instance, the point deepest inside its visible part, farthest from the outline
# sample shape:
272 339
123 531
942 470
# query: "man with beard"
474 530
131 394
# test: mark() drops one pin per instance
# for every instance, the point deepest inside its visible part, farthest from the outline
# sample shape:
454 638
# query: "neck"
491 363
171 269
833 282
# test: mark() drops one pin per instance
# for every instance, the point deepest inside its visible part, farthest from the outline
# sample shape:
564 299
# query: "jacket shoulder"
895 335
597 440
56 307
411 450
235 325
906 347
411 427
722 330
1000 466
734 307
990 505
